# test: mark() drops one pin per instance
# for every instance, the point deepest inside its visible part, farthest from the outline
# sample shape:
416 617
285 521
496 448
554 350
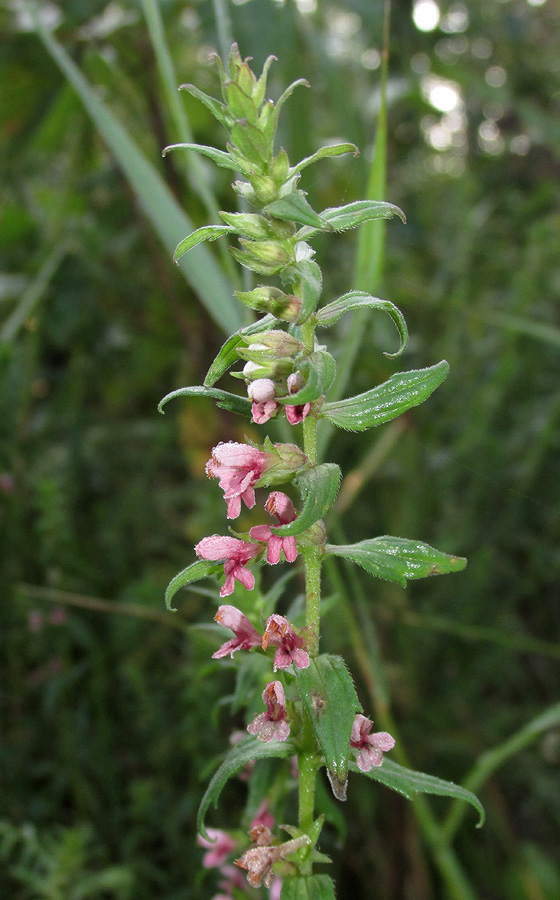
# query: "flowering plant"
312 714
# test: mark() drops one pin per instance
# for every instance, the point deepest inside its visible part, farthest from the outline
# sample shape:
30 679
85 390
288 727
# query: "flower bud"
279 167
272 253
272 300
285 461
262 390
265 188
247 224
277 342
265 367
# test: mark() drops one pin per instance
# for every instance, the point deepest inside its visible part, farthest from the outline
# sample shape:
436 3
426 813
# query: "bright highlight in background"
426 15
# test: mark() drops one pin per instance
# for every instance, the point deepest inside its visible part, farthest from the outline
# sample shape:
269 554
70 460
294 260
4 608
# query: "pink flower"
371 746
263 816
235 554
238 467
279 505
263 394
246 635
271 725
290 650
219 848
296 414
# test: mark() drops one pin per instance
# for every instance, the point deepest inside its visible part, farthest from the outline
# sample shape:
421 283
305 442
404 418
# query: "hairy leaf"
228 352
340 218
330 700
398 559
408 782
388 400
330 150
318 487
332 312
231 402
295 208
224 160
218 110
207 233
236 759
202 568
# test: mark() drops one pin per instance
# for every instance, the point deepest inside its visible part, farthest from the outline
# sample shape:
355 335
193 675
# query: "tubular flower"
279 505
271 725
290 650
296 414
235 554
246 635
371 746
237 467
218 848
263 394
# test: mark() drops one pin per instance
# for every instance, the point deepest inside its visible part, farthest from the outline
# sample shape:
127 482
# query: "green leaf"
398 559
251 143
207 233
231 402
388 400
318 487
305 279
218 110
341 218
408 782
236 759
332 312
330 150
202 568
282 99
295 208
158 203
308 887
318 370
224 160
330 700
228 352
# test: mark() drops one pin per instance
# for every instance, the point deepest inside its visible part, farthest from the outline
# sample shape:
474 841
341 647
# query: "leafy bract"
408 782
340 218
308 887
236 759
318 371
388 400
330 700
295 208
224 160
218 110
398 559
318 487
202 568
231 402
228 352
332 312
330 150
207 233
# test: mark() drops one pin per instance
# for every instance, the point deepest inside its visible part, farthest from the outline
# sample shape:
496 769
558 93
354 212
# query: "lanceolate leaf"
318 487
408 782
295 208
387 401
331 150
202 568
221 159
330 700
231 402
340 218
207 233
332 312
228 353
236 759
308 887
218 110
398 559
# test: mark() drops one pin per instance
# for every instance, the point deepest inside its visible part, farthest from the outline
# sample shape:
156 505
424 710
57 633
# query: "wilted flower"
371 746
279 505
258 861
290 650
235 554
271 725
246 635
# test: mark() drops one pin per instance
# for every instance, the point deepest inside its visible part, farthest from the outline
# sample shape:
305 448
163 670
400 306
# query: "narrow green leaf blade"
332 312
295 208
387 401
155 198
318 487
228 353
328 151
398 559
231 402
308 887
218 110
408 782
202 568
341 218
235 760
330 700
207 233
222 159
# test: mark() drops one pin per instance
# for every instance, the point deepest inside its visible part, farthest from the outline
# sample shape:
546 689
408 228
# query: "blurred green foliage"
108 711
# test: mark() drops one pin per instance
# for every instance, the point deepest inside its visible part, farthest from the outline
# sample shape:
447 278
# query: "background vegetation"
108 711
